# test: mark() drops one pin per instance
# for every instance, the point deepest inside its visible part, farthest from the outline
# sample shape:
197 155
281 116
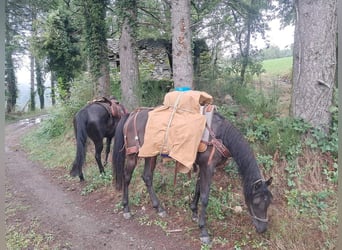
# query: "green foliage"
95 32
154 18
256 101
153 92
96 181
331 173
127 10
235 66
50 150
273 52
229 111
59 43
309 203
285 136
232 169
115 87
16 239
220 202
266 161
60 118
55 125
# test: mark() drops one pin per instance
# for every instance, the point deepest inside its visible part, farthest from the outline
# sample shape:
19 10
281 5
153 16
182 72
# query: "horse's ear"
257 185
269 181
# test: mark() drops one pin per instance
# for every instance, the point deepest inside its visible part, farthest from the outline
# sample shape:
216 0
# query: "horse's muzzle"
260 227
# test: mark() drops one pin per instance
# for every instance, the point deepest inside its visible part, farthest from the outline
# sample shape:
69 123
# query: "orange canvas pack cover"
176 127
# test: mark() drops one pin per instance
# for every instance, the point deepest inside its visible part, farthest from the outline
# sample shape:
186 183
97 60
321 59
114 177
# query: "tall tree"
40 84
32 91
129 67
94 12
231 25
314 61
59 44
250 19
15 21
10 79
33 30
181 44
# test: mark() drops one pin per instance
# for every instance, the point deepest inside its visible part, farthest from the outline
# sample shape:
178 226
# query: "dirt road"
39 203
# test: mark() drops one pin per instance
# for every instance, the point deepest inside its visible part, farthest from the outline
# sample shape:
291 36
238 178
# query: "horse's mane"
242 153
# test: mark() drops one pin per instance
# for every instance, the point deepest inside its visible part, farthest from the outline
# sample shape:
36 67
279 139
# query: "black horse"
97 120
225 140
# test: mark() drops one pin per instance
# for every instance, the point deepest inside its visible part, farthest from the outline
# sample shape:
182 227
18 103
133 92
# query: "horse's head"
259 202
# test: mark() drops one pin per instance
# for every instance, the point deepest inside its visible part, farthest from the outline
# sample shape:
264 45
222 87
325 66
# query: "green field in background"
278 66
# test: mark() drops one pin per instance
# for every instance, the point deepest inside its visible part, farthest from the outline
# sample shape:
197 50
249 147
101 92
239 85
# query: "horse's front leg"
150 164
194 203
128 172
206 174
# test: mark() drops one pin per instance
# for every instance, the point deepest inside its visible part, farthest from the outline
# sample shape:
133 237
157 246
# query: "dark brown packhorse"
97 120
224 138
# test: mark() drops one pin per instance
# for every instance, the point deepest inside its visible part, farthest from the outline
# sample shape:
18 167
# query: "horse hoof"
205 240
127 216
162 214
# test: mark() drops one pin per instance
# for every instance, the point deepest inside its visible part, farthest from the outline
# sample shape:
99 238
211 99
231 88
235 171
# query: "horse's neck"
242 154
250 173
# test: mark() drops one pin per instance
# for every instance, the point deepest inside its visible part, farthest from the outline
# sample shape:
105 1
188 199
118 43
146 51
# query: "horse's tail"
119 153
81 138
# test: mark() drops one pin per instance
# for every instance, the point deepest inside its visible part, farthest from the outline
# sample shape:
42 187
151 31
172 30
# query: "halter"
251 207
256 217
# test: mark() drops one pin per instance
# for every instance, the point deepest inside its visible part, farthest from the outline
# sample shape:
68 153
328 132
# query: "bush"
153 91
60 118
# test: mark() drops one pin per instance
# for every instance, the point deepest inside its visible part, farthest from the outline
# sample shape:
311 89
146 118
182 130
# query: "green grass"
278 66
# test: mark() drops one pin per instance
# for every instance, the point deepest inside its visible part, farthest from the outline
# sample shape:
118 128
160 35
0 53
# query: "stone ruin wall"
152 56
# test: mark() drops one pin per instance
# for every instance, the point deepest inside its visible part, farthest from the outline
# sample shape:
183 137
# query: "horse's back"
96 120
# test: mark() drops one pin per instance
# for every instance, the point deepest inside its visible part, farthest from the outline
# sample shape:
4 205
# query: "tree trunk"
32 93
11 89
11 83
314 61
53 86
129 68
95 30
181 44
40 85
103 81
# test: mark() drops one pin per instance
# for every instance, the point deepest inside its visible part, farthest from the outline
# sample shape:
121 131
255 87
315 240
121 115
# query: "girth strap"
217 145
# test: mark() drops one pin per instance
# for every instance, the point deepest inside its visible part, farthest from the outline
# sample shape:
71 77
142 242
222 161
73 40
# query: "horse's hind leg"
128 172
98 151
150 164
108 142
